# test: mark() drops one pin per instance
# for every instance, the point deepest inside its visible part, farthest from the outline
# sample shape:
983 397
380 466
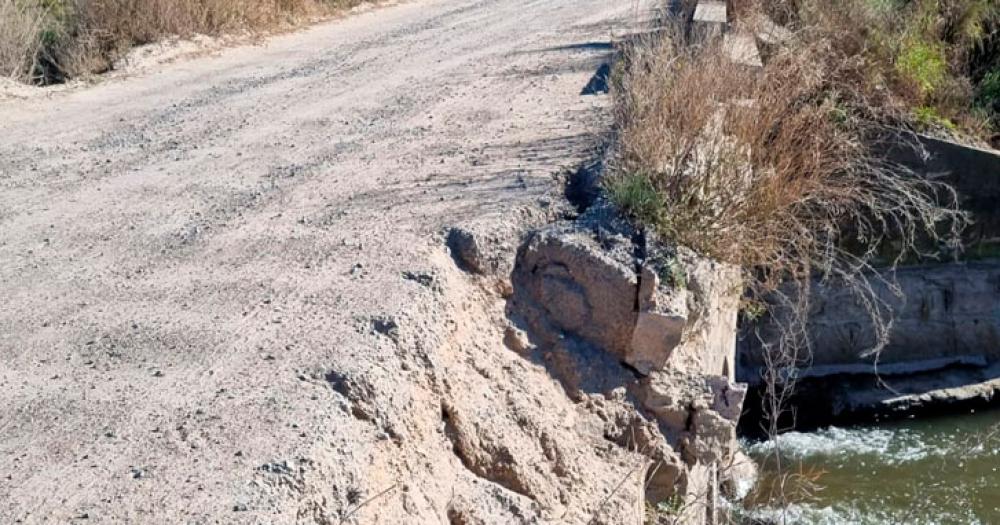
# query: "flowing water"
919 471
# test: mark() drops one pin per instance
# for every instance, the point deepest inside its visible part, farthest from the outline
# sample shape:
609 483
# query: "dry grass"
768 170
20 38
56 39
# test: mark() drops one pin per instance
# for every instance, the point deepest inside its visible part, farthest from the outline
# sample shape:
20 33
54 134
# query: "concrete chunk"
709 21
769 33
663 316
568 283
711 13
741 48
654 338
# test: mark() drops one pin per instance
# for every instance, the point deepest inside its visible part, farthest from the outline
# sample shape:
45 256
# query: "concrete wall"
950 315
944 343
973 172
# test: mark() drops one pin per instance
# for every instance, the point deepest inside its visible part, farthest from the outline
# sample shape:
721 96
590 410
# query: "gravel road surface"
225 296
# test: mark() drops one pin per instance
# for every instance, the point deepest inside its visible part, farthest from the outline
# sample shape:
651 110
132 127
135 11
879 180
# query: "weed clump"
924 64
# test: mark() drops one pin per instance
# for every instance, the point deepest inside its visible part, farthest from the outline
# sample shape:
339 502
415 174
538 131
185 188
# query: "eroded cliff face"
640 334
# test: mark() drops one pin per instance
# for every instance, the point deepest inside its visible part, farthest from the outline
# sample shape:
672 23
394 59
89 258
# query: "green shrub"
923 64
928 117
989 92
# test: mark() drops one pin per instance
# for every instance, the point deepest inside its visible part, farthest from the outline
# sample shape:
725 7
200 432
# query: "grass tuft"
928 118
635 194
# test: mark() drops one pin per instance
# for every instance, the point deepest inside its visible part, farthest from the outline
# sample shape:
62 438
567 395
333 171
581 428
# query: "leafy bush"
989 94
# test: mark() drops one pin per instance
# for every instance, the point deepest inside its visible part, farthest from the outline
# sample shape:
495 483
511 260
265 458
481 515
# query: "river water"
943 470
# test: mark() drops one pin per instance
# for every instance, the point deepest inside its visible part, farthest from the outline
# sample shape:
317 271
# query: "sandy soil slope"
225 298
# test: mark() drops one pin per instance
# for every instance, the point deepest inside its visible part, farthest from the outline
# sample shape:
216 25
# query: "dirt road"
225 297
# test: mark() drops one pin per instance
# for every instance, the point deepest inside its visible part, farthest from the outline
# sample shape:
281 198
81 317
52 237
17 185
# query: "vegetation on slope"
940 59
780 170
46 41
770 169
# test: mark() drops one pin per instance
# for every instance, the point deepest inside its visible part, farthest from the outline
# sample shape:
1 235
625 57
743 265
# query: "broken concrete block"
709 343
669 395
662 474
712 438
654 338
568 284
769 33
727 397
660 324
595 296
709 20
710 12
649 283
741 49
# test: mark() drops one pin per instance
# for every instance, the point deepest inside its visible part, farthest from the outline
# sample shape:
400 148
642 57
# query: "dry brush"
777 170
45 41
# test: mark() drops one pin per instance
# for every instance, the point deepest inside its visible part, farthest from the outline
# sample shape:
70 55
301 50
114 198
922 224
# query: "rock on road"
225 297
